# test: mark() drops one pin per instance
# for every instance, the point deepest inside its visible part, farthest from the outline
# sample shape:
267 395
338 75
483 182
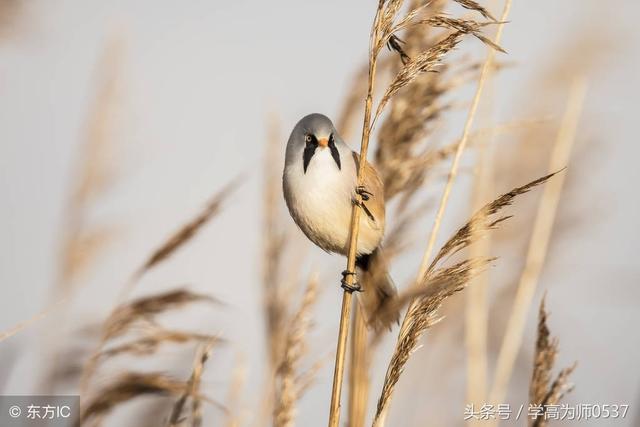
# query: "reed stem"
538 244
345 314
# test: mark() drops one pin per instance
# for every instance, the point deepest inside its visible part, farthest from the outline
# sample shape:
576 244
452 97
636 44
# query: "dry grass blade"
482 221
375 42
424 62
464 25
307 378
149 344
81 241
472 5
540 238
287 387
487 68
147 307
359 370
421 317
352 102
187 231
429 59
545 357
123 317
446 281
25 324
191 390
129 386
476 303
542 392
387 19
238 380
273 249
351 105
413 113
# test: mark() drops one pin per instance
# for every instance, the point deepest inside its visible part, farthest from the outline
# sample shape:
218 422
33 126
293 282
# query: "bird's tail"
377 288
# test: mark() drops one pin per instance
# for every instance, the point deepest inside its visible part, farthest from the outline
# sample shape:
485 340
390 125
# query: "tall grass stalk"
487 68
345 312
539 242
476 308
8 333
360 361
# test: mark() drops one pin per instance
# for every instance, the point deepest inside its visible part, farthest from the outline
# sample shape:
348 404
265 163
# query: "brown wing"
374 207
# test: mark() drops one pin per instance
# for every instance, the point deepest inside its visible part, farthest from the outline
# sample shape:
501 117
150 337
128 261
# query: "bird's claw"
349 287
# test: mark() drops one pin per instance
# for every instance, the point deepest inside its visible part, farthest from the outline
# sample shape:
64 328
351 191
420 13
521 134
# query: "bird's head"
311 134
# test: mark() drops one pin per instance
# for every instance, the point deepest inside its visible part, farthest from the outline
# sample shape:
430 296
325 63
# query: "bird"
320 184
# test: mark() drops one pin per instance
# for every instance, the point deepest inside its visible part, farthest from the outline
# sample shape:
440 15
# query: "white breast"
320 201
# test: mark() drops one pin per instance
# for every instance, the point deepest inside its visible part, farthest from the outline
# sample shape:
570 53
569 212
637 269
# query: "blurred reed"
538 244
543 392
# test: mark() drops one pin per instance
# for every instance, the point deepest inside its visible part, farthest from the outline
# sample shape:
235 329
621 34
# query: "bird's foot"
363 192
364 196
349 287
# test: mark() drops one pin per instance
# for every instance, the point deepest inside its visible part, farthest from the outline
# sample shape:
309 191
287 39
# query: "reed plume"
185 233
289 388
538 243
439 283
543 392
140 310
385 29
192 390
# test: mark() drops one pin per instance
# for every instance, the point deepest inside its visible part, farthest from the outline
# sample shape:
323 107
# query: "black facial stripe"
334 152
309 150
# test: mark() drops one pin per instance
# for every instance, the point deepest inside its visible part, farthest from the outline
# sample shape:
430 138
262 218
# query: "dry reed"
384 31
10 14
411 116
484 75
438 284
359 364
538 244
422 317
288 386
234 394
476 312
415 100
81 241
275 302
125 316
152 340
543 392
126 387
26 323
192 390
184 234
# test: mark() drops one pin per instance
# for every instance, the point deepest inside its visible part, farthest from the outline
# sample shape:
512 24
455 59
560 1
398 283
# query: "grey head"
314 132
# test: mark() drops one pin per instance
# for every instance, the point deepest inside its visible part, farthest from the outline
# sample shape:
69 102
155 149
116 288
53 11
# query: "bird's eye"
308 138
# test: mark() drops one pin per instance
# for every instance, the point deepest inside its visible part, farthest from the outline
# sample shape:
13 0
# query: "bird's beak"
324 142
